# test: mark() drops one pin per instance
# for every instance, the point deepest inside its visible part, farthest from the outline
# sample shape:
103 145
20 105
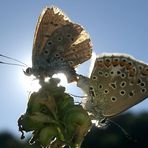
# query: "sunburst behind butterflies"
59 45
117 83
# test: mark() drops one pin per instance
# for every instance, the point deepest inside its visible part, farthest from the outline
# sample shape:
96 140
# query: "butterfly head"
28 71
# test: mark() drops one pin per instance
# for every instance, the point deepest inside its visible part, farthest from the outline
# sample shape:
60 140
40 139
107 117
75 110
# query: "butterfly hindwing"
119 82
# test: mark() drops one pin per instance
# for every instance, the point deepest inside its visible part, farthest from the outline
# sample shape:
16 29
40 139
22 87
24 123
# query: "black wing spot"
123 84
131 94
122 92
113 99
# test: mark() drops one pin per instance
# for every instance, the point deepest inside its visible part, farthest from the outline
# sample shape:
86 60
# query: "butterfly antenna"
13 60
125 132
12 64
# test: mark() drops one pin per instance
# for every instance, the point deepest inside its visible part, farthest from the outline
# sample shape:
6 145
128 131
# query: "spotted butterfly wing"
59 45
117 83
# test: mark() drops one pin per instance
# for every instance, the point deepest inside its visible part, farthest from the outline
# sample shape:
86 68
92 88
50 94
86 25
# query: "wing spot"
122 92
59 38
142 84
143 90
49 43
130 63
140 67
123 84
106 74
91 87
113 85
100 73
57 55
106 91
62 59
46 52
107 60
131 93
94 78
112 73
123 75
100 86
113 99
139 81
118 72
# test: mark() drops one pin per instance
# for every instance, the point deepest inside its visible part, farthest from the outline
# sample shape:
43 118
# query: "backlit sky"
119 26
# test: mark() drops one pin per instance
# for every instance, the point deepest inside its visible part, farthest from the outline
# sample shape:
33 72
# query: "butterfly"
59 45
117 82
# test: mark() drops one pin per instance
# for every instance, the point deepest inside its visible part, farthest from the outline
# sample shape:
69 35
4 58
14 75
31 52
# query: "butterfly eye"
28 71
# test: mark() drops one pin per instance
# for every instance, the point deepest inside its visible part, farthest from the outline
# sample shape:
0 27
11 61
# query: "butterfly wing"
118 82
49 20
59 44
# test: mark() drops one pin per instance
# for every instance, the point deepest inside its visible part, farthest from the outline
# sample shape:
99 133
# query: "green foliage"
53 118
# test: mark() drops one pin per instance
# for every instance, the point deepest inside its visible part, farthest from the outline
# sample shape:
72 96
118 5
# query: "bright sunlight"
32 84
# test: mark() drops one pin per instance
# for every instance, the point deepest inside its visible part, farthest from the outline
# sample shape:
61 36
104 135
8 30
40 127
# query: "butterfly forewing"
118 82
49 20
59 44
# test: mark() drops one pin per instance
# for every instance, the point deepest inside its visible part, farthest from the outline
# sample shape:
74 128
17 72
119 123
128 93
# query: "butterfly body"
117 83
59 45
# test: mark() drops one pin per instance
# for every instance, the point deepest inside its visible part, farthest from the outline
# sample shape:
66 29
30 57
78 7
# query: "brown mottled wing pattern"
80 50
119 82
49 20
56 35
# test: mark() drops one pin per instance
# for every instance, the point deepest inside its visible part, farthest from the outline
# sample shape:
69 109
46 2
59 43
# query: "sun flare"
63 79
32 84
